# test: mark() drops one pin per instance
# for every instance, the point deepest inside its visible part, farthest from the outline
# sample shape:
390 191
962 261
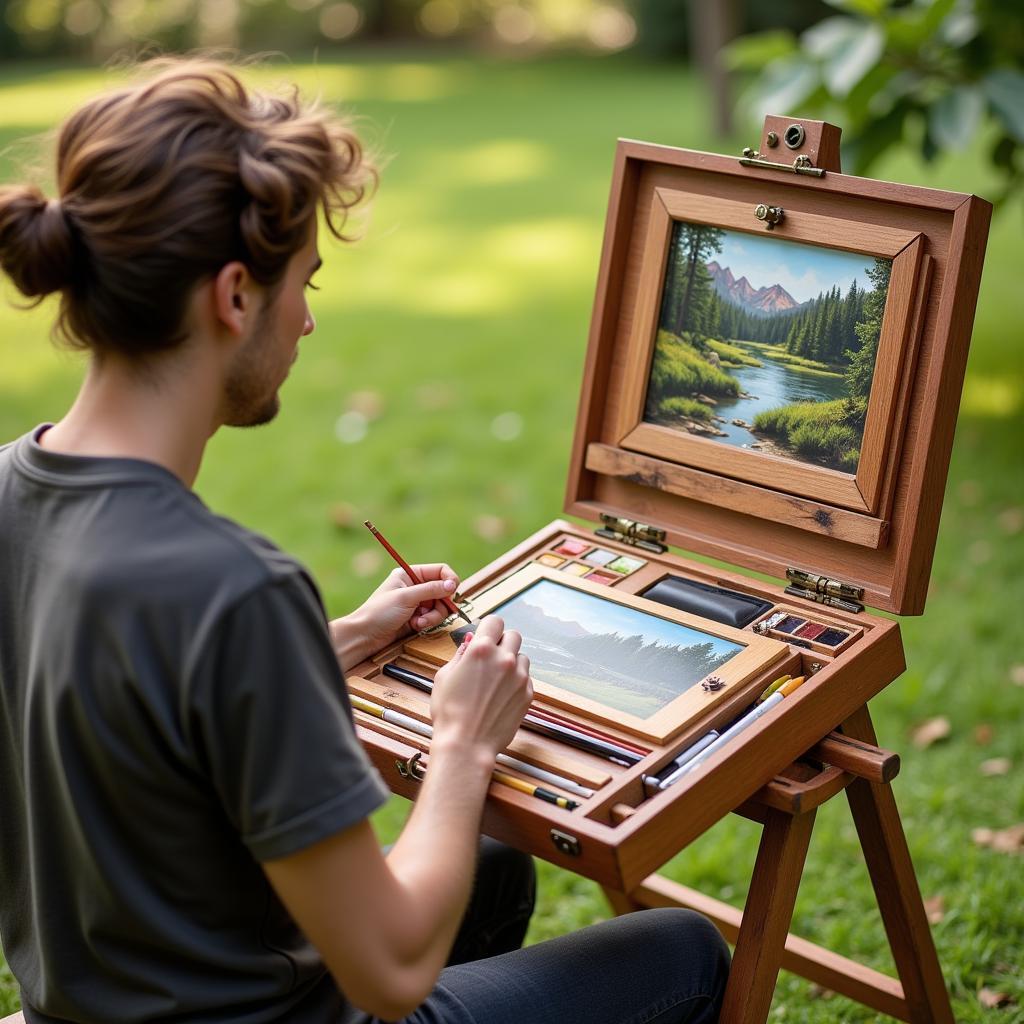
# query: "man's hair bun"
37 247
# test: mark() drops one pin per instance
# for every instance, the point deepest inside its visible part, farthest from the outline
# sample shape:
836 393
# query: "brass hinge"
626 531
824 590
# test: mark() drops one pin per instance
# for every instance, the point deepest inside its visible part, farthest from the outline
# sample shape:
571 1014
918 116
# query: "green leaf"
959 28
954 118
1003 152
1004 88
785 85
861 100
869 8
848 50
755 52
861 151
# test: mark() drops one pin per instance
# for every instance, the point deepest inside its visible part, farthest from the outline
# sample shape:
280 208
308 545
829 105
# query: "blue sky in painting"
600 616
803 270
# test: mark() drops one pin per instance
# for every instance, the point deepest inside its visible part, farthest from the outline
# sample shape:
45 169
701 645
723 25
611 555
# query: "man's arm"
385 927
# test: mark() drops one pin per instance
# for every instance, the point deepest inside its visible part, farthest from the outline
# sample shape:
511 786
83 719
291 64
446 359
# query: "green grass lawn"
438 397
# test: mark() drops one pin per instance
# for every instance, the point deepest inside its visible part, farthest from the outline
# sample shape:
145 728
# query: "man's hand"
481 695
385 927
398 606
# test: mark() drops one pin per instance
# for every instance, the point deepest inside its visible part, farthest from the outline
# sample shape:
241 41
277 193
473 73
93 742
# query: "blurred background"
438 395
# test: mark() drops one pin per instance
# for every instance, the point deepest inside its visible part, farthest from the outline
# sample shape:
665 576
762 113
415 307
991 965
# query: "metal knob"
771 215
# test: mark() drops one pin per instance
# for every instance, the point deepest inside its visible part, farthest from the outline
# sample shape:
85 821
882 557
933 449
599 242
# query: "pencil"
538 791
403 564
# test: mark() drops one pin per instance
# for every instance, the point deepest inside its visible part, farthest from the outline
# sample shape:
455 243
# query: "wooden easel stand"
760 933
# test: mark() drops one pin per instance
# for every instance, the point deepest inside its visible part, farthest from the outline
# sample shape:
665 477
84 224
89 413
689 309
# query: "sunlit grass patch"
733 355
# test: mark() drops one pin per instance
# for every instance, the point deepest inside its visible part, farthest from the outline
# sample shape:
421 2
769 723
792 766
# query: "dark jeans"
651 967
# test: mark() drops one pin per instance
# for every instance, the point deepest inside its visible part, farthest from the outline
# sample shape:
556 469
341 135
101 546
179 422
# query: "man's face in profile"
263 360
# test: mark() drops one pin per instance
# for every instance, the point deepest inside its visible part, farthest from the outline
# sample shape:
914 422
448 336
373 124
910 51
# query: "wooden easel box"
874 529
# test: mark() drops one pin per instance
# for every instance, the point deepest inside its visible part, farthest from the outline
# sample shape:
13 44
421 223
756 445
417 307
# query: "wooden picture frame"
756 655
874 529
859 492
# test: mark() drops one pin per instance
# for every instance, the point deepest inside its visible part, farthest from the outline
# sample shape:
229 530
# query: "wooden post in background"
712 24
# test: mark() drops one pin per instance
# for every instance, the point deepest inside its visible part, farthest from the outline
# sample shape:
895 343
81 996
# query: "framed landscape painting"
775 357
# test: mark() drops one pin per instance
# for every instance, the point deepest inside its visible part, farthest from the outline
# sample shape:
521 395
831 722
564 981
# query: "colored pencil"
403 564
538 791
759 711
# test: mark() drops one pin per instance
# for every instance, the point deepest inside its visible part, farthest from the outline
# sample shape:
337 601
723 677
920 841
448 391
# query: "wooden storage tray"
619 836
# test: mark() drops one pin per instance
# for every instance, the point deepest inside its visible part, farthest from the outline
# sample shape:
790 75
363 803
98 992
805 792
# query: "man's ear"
234 297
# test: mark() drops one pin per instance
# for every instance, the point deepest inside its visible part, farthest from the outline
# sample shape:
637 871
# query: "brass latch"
626 531
565 843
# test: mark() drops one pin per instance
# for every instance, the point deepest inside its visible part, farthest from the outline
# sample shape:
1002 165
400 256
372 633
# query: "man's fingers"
491 627
435 571
428 593
511 640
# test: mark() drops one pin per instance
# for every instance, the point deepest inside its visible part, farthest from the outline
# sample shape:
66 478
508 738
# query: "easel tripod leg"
884 843
766 917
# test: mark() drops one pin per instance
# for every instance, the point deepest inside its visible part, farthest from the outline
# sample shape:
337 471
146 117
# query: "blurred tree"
665 27
889 71
98 28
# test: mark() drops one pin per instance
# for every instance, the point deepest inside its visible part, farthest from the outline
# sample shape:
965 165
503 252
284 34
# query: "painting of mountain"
767 344
618 656
763 301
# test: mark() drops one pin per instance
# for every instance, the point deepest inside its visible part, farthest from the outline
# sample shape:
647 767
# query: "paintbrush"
413 578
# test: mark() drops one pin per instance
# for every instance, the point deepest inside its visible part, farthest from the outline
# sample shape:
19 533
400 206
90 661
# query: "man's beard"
250 398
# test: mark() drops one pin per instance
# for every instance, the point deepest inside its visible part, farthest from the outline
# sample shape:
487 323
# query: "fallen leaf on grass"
930 731
935 909
983 734
489 527
1002 840
992 1000
1012 520
970 492
366 563
367 403
995 766
1017 675
343 515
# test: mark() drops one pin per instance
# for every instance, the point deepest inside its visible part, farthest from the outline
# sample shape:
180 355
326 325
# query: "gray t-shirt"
171 714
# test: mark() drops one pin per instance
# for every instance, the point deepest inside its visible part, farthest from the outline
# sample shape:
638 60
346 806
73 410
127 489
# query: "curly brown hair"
163 182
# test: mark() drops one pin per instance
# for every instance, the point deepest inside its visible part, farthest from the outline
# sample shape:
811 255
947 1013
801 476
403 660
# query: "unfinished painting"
618 656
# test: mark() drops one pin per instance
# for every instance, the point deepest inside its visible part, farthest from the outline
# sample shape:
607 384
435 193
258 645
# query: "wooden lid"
830 455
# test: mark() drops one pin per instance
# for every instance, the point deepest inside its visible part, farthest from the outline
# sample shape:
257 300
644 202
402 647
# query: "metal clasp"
411 768
565 843
771 215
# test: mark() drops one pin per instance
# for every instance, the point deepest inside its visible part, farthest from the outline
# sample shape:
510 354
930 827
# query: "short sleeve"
272 728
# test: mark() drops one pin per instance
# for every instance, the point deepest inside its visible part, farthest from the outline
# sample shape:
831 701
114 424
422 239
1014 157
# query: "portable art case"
774 368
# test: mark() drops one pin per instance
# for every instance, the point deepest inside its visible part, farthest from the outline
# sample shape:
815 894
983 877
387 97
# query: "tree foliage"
889 70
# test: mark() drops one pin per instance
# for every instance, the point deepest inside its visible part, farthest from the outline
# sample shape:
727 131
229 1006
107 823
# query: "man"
184 802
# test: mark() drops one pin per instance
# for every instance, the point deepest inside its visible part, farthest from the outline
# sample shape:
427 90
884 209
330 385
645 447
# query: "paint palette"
577 557
788 624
